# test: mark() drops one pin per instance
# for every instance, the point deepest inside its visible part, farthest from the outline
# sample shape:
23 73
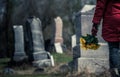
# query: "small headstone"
74 43
58 48
19 53
52 60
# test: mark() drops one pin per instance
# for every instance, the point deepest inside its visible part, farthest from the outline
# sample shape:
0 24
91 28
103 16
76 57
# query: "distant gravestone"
41 57
89 59
58 30
58 48
58 34
19 53
74 41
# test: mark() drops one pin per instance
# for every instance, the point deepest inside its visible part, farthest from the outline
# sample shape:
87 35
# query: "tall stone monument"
92 61
58 34
40 56
19 53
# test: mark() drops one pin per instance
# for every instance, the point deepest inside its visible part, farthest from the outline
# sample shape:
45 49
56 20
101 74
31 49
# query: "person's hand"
94 29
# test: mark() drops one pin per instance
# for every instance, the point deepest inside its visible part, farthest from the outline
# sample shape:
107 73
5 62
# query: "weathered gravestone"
58 35
94 61
19 53
40 56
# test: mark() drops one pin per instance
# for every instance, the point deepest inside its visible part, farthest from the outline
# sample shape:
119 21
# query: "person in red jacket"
109 12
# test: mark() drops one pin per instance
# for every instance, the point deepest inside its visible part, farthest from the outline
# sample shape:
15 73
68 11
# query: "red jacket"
109 11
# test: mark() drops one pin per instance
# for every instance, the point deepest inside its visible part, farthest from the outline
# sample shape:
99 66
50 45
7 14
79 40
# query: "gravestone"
58 30
58 34
19 53
58 48
40 56
74 41
94 61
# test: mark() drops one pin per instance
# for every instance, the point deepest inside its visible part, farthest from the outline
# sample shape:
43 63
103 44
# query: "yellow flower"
93 46
96 47
89 42
82 41
84 47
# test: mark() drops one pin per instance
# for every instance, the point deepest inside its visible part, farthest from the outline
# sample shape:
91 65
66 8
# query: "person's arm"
99 11
98 15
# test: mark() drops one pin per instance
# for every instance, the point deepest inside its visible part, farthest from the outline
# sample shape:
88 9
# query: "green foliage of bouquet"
89 42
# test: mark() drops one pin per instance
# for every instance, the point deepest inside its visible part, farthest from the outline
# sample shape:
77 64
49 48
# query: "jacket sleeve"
99 10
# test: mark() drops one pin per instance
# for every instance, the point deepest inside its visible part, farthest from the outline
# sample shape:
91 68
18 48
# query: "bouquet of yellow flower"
89 42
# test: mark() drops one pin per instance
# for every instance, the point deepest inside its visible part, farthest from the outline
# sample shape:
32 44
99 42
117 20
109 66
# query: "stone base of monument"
43 59
93 61
101 52
40 55
42 63
59 40
92 65
19 57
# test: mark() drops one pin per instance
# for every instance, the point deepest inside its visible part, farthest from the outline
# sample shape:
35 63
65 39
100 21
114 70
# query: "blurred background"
16 12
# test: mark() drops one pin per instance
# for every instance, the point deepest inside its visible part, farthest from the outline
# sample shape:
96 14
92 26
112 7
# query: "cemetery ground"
27 70
59 70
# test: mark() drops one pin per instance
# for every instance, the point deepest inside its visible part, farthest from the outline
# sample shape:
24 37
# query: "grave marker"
19 53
